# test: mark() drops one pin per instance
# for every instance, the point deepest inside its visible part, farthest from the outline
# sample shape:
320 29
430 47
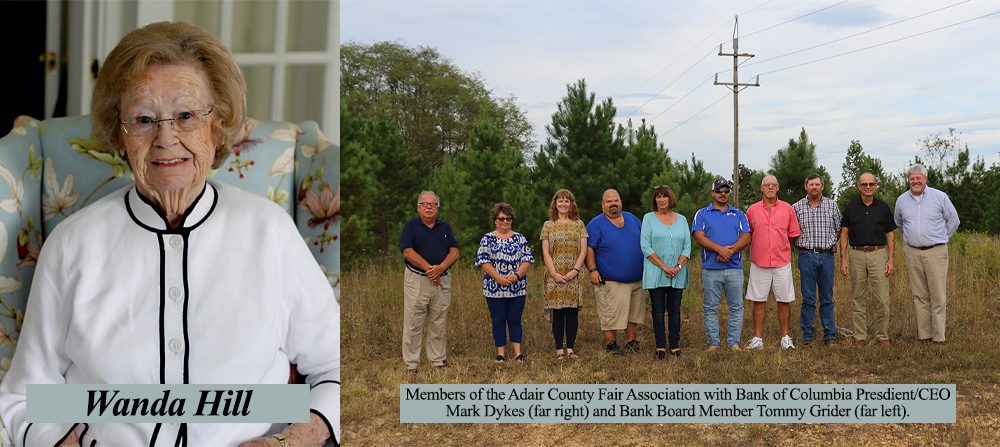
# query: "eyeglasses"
661 186
868 185
723 191
505 219
427 204
185 121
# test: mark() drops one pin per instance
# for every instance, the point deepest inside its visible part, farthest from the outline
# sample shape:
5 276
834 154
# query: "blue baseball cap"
721 183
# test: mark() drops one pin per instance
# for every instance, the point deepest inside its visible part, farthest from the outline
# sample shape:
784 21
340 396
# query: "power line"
856 34
796 18
697 113
682 97
755 8
676 60
717 73
881 44
827 58
671 83
681 57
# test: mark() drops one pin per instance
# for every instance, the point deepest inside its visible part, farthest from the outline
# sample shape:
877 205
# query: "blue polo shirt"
433 244
617 250
723 227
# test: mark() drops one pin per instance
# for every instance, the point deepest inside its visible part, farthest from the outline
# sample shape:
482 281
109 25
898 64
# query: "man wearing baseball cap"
723 232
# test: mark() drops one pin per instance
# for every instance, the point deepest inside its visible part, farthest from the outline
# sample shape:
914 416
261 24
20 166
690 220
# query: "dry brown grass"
373 368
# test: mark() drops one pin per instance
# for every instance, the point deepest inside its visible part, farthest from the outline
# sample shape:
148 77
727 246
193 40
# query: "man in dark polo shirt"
429 249
867 226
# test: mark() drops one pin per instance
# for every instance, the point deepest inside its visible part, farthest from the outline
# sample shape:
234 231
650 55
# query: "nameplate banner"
677 403
168 403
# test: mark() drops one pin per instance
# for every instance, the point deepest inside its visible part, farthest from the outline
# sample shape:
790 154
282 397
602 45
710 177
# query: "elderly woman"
175 280
505 258
666 243
564 248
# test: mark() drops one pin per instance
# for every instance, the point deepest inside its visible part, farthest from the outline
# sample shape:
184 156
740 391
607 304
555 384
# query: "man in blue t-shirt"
722 232
614 258
429 249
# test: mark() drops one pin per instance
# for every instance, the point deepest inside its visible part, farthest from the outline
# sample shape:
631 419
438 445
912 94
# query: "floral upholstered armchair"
50 169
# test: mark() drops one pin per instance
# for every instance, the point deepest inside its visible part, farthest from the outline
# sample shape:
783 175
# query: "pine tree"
582 150
694 186
749 186
359 188
643 160
399 177
857 162
792 164
493 172
451 184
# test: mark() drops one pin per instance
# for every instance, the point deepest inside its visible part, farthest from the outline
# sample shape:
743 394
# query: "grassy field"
373 368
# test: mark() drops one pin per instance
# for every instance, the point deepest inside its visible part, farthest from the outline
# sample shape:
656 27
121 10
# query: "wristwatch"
281 440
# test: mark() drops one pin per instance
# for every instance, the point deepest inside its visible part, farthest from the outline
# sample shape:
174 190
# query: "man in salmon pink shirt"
773 224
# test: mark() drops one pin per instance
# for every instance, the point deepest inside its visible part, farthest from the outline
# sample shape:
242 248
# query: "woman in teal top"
666 244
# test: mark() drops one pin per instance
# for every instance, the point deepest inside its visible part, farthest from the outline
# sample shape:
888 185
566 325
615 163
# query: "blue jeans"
816 270
666 300
714 282
506 315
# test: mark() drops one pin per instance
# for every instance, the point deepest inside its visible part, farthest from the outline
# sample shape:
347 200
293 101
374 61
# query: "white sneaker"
756 343
786 342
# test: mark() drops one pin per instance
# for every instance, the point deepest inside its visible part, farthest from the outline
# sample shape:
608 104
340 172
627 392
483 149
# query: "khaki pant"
928 273
422 300
868 268
618 304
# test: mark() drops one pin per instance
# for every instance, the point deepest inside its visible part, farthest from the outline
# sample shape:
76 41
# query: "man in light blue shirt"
928 219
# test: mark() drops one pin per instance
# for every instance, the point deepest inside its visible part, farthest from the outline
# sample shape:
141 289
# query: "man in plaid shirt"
819 219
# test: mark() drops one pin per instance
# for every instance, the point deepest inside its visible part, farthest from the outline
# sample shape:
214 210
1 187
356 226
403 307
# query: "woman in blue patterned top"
505 258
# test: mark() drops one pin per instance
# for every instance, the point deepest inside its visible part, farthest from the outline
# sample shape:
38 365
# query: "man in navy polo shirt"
722 232
429 249
614 258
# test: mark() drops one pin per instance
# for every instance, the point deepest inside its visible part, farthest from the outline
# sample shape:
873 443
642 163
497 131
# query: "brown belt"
867 247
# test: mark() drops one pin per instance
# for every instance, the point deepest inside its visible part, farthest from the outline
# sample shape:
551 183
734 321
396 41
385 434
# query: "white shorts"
764 279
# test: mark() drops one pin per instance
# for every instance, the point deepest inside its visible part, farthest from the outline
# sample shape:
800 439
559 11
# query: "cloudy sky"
657 60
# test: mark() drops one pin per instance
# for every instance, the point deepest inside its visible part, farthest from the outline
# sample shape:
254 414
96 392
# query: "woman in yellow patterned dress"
564 247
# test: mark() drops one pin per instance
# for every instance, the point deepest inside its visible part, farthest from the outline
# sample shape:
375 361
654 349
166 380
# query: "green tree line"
411 121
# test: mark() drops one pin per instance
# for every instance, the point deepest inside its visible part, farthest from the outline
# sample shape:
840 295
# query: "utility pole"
736 87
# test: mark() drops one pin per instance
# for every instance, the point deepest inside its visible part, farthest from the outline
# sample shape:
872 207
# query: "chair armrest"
317 214
21 162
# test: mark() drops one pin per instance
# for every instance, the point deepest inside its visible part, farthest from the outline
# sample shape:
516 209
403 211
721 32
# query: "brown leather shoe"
883 343
860 343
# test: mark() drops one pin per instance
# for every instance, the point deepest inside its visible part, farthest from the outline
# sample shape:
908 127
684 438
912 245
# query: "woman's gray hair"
429 193
165 43
917 168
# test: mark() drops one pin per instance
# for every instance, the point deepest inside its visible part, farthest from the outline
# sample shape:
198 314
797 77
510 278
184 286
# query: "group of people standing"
625 256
